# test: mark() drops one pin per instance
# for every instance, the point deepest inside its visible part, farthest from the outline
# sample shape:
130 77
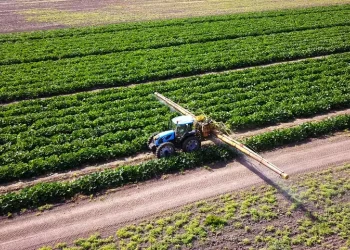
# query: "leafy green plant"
246 241
44 193
215 221
299 133
25 80
61 133
71 43
45 207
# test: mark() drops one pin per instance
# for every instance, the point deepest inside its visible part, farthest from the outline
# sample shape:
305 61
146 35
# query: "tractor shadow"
285 192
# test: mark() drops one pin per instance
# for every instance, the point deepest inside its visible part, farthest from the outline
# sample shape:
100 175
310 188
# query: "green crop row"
44 193
40 79
63 146
276 99
280 137
56 134
149 25
164 36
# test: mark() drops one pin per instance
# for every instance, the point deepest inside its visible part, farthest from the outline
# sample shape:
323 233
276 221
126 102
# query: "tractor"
185 133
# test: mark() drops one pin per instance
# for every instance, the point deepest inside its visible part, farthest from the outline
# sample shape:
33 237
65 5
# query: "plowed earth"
68 222
27 15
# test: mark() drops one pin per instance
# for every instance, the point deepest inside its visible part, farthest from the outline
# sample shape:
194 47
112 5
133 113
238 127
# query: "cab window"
184 128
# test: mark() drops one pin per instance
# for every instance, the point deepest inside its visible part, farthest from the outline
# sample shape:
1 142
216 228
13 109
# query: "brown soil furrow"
70 221
296 122
53 14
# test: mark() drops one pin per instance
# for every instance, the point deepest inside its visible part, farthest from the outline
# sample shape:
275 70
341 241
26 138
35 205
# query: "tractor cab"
181 135
182 125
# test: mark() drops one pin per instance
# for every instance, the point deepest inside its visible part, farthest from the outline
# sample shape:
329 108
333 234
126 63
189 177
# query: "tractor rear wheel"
165 149
191 144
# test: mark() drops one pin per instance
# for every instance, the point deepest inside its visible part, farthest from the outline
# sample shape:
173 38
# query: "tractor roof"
184 119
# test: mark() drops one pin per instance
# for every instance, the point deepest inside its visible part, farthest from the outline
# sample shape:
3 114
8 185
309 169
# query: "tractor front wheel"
165 149
150 139
191 144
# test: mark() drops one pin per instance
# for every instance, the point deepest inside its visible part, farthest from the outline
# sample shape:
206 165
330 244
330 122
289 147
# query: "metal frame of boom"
228 140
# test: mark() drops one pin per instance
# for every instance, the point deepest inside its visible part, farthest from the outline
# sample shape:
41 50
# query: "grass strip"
280 137
311 211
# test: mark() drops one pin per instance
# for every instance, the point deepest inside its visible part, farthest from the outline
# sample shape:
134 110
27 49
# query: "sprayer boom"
215 131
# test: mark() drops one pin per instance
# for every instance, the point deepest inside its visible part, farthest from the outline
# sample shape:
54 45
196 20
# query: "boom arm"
247 151
174 105
230 141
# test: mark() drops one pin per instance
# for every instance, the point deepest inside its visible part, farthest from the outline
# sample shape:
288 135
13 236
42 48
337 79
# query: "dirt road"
71 221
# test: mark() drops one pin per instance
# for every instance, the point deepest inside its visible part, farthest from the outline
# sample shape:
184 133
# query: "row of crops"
212 53
60 133
94 42
43 193
76 32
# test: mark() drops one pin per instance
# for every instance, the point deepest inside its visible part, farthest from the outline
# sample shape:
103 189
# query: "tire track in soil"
134 202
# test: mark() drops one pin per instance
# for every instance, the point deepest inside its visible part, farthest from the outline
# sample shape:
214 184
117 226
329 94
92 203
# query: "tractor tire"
150 139
191 144
165 149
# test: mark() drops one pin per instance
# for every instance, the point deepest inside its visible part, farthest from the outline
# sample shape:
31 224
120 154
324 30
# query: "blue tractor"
182 134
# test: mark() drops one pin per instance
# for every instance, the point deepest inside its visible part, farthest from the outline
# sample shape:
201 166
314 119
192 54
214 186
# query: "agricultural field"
62 133
311 211
24 15
76 99
167 50
43 193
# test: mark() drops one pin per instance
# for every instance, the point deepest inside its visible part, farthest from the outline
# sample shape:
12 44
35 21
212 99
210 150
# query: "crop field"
61 133
310 212
81 97
24 15
43 193
38 65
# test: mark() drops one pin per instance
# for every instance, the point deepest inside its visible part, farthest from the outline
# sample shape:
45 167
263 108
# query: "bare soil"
28 15
71 221
232 237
